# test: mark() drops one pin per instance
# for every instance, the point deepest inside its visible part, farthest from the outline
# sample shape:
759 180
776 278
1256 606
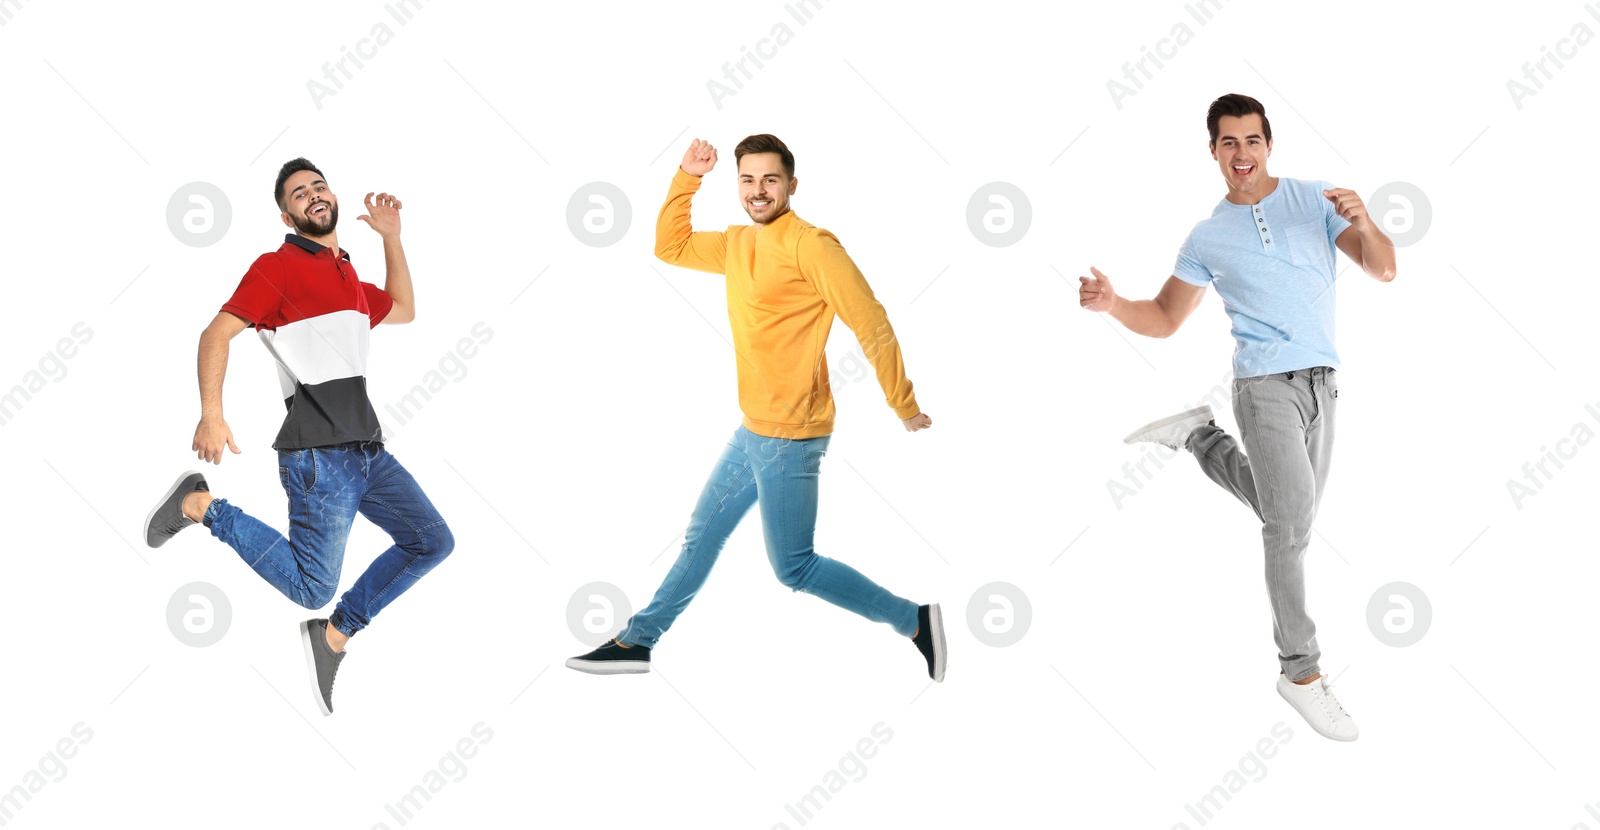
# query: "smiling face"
1241 152
308 205
764 186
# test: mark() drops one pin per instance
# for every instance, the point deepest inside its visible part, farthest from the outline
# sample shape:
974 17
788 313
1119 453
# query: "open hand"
383 215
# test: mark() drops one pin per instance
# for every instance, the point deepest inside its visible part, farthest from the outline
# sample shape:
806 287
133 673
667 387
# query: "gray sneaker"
321 660
1172 431
166 518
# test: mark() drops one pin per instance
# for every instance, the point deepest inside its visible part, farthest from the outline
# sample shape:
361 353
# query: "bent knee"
439 541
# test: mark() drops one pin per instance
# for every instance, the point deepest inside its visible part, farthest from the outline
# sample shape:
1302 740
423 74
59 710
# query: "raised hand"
699 158
383 215
1094 293
1348 205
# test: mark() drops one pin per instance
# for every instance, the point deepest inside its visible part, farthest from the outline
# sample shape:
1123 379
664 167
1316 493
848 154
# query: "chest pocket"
1309 248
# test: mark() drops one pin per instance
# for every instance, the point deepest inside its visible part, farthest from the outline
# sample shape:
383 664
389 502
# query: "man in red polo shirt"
314 316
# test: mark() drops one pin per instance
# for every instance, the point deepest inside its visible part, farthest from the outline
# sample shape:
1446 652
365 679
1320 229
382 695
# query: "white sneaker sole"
151 516
1314 727
311 667
1202 415
940 655
608 666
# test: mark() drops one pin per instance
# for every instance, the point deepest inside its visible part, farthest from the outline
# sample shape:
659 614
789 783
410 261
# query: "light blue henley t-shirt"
1273 265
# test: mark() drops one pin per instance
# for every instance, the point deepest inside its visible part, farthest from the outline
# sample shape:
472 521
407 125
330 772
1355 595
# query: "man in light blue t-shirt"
1268 248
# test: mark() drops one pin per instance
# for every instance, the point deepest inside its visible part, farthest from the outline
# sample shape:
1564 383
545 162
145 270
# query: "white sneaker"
1172 431
1315 702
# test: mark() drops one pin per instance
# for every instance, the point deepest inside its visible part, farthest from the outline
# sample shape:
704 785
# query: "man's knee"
438 541
318 596
792 571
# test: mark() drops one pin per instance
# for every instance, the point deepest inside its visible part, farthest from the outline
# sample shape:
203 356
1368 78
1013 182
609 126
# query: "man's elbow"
1385 274
400 315
667 252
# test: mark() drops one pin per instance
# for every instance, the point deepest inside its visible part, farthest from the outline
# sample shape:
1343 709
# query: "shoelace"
178 524
1323 690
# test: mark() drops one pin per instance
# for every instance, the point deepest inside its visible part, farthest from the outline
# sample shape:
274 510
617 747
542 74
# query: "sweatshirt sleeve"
824 263
676 241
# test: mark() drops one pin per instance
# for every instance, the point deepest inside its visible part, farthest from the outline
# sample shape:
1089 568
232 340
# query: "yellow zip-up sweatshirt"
785 284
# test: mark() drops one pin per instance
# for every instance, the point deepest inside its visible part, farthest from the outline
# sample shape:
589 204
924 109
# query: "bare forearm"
1146 317
213 365
397 277
1377 254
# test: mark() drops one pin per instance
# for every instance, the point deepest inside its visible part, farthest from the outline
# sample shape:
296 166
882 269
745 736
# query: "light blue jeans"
781 474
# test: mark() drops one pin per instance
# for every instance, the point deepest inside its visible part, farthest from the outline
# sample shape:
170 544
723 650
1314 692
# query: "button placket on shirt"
1264 228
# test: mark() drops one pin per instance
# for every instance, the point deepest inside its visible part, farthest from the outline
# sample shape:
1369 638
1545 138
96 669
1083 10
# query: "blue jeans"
782 475
327 486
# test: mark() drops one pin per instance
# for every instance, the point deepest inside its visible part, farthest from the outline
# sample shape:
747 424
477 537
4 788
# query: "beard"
317 225
773 210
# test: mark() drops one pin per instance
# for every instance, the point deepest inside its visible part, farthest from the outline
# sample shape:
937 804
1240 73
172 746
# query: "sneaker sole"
1329 736
151 516
311 667
1133 437
936 622
608 666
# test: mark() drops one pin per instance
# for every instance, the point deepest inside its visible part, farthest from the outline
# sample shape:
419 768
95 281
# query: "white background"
574 446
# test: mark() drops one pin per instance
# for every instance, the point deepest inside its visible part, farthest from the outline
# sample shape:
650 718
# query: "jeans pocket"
813 459
297 471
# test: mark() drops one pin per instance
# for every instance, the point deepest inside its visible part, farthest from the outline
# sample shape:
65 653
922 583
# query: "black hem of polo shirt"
311 247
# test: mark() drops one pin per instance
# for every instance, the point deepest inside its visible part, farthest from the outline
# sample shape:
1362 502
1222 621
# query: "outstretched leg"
787 473
727 496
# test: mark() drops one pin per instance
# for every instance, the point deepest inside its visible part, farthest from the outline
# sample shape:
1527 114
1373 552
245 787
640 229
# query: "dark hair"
1237 106
288 169
765 143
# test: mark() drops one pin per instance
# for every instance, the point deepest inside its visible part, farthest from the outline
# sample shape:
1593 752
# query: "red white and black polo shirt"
315 316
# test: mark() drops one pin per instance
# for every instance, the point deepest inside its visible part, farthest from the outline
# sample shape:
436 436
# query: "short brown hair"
1237 106
765 143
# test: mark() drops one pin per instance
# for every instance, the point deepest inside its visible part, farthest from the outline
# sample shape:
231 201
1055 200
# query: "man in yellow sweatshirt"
786 279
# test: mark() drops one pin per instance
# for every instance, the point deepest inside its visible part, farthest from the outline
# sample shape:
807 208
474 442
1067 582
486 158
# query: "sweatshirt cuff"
910 410
682 179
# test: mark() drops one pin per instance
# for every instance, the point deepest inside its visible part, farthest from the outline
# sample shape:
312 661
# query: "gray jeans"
1286 424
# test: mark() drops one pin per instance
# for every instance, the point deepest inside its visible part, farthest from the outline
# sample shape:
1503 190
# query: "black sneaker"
613 658
930 639
166 518
321 660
